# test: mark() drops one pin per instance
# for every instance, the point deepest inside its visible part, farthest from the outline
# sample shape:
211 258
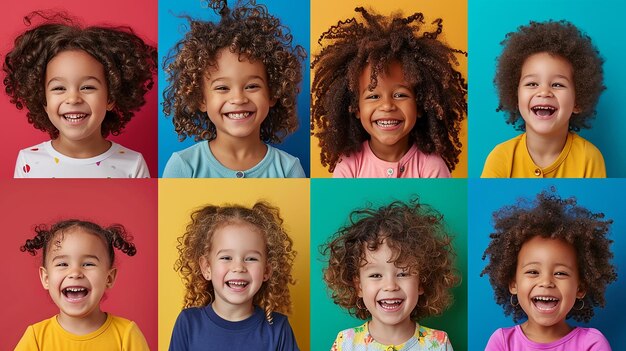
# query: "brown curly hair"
427 64
129 66
415 234
252 33
114 236
557 38
196 242
550 216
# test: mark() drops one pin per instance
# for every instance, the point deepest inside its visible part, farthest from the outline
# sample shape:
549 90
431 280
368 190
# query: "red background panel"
141 15
24 204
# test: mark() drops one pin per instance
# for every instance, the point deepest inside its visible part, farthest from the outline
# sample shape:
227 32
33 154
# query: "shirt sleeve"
597 341
338 344
494 165
21 167
296 170
288 340
28 342
496 342
435 167
134 339
343 169
176 168
142 169
179 340
594 167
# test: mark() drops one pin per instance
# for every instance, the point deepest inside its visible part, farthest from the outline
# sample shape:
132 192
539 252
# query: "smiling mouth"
75 293
238 115
545 303
387 123
390 304
75 117
237 284
543 111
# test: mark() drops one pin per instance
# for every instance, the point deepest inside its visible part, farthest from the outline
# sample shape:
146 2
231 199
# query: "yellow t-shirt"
578 159
115 334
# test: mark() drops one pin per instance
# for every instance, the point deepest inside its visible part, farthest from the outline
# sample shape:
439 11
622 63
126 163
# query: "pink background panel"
141 15
24 204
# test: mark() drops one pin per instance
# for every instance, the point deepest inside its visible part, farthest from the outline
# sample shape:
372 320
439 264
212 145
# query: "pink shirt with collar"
414 164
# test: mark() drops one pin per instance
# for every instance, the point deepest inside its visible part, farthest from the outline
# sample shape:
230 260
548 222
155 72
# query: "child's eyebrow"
229 251
558 264
82 79
226 78
64 257
396 86
554 76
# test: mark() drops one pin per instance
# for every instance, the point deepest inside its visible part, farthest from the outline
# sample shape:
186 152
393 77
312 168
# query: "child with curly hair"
234 84
236 264
549 79
394 265
386 99
78 266
549 260
79 84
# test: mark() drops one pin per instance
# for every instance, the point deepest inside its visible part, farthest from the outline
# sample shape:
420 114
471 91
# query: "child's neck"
390 153
238 154
545 334
82 325
545 149
392 334
81 148
232 313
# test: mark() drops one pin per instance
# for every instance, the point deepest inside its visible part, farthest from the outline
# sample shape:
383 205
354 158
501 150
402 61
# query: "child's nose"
238 266
238 97
391 284
73 97
545 91
76 273
387 104
546 281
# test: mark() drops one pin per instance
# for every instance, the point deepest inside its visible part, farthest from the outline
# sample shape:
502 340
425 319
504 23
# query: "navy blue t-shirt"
200 328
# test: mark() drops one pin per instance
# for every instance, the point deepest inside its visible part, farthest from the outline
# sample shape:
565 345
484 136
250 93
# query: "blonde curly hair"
273 296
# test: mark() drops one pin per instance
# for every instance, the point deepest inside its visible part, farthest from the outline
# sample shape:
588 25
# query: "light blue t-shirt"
197 161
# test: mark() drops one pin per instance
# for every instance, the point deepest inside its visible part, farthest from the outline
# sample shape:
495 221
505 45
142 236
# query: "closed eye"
88 87
57 88
224 258
61 264
221 88
252 259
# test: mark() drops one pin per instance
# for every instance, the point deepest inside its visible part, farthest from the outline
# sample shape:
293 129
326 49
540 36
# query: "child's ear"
202 106
273 102
576 110
268 273
581 292
357 286
513 287
205 267
111 277
43 275
110 105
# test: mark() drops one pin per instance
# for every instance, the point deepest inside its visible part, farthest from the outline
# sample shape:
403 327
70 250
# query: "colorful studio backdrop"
24 205
173 26
332 201
141 15
454 15
491 20
178 198
486 197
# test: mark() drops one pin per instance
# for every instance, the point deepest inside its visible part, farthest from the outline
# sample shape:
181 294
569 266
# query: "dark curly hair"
252 33
114 236
415 234
557 38
197 242
129 66
378 41
552 217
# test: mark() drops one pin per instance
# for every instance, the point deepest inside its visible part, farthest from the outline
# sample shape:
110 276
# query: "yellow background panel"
179 197
325 13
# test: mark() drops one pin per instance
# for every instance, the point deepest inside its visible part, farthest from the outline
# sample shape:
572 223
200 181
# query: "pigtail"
120 239
38 242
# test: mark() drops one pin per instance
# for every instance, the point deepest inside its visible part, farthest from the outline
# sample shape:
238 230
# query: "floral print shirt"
359 339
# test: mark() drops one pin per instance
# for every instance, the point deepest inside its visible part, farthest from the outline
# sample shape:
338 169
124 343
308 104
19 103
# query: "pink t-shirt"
414 164
579 339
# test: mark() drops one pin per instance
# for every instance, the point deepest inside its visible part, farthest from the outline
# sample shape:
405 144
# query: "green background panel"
332 200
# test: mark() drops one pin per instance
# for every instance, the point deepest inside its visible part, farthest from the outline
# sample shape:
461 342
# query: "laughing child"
549 260
549 79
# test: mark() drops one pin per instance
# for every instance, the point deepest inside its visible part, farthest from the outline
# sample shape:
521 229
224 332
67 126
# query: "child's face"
390 293
389 112
77 272
545 95
76 95
236 265
236 96
546 281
